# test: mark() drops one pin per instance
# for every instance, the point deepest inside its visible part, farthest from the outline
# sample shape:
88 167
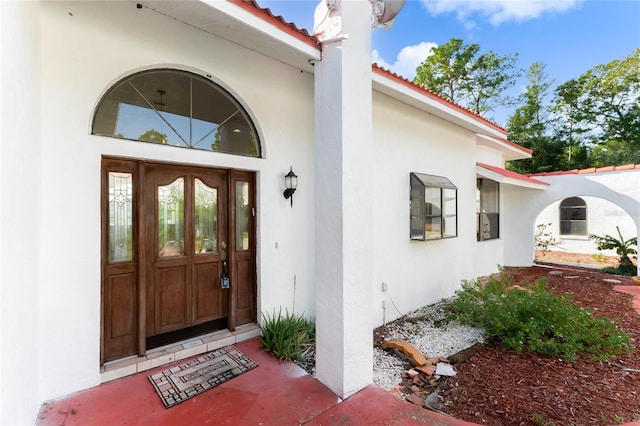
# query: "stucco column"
343 216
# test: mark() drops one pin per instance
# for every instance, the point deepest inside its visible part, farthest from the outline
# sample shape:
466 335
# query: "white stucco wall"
343 222
53 252
489 156
20 206
620 188
419 273
602 218
68 55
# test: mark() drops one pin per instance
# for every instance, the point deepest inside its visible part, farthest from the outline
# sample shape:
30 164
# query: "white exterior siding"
82 56
610 193
20 210
602 218
490 156
418 273
60 58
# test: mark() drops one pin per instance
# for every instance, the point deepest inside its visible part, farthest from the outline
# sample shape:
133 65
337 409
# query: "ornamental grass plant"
288 336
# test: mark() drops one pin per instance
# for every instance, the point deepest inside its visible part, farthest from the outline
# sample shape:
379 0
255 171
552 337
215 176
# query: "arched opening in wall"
563 228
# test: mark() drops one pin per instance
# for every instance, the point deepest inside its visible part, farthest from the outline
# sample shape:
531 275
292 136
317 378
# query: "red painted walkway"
274 393
633 290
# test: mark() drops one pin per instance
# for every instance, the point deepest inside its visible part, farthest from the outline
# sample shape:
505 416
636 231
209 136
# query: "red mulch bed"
501 387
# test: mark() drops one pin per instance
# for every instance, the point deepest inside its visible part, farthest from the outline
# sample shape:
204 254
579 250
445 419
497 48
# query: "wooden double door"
178 253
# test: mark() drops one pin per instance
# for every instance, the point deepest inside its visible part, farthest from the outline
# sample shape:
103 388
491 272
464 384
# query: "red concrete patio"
274 393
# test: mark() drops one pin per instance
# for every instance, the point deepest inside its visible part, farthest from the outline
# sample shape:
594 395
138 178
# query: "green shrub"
622 269
288 336
536 320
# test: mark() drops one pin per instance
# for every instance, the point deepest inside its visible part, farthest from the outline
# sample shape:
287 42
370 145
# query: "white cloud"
407 60
499 11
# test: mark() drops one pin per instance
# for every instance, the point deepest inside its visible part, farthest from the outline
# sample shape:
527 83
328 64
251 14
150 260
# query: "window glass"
573 216
176 108
120 217
487 209
206 218
171 219
450 213
433 207
417 222
242 215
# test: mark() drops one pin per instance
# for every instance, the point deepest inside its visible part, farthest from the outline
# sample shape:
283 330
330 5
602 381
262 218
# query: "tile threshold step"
117 369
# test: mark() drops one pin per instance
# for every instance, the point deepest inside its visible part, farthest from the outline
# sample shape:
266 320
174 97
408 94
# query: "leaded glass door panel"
172 237
119 290
185 221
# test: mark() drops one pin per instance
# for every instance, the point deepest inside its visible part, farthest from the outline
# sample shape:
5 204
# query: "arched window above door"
176 108
573 216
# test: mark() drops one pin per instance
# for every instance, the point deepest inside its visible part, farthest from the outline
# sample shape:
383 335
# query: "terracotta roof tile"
589 170
433 95
278 21
628 167
584 171
512 174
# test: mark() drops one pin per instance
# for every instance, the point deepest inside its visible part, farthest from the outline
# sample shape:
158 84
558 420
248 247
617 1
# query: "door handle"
223 251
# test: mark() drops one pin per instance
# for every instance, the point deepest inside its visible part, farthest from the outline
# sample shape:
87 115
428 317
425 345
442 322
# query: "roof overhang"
246 25
405 91
510 151
508 177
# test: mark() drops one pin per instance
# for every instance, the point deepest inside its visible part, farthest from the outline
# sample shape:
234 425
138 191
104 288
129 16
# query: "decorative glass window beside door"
433 207
171 219
120 217
242 215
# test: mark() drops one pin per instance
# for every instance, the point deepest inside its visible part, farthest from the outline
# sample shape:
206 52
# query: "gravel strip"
430 332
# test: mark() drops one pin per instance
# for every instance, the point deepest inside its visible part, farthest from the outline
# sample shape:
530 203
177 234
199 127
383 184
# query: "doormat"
184 381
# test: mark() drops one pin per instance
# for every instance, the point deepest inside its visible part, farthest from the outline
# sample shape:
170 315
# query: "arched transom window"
573 216
176 108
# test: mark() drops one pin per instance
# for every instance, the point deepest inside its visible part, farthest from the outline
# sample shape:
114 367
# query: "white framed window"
573 216
433 207
487 209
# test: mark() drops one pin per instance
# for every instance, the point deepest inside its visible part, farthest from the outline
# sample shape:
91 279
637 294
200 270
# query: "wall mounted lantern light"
290 183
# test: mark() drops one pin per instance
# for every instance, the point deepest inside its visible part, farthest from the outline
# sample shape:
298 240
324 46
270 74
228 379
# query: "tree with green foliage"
530 126
572 125
490 77
446 70
600 113
592 121
153 136
612 100
459 73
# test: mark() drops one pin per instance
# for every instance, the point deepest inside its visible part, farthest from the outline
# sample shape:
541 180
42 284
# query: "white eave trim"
432 106
245 28
497 177
509 151
263 26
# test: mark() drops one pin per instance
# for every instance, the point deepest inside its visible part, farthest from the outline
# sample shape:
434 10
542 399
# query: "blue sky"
569 36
